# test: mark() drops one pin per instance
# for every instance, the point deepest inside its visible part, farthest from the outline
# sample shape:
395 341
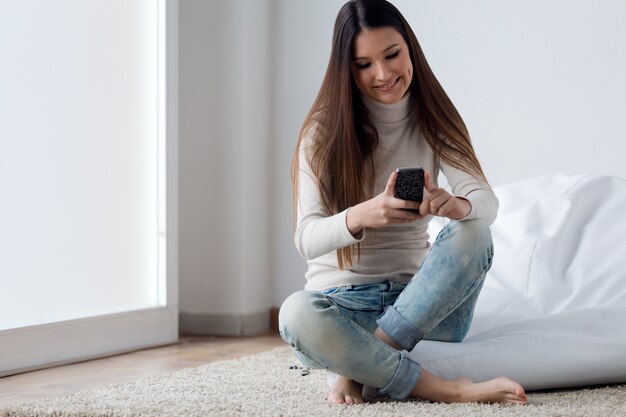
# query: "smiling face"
381 65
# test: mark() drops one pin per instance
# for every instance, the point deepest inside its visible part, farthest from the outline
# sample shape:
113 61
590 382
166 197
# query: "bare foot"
345 391
497 390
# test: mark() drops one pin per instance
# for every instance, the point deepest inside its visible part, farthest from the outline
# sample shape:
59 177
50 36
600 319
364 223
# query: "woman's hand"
439 202
382 210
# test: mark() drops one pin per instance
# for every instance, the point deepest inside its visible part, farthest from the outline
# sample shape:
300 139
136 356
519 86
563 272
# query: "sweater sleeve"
317 231
479 193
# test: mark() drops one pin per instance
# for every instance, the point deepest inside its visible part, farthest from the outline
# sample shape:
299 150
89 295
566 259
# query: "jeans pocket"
330 291
358 300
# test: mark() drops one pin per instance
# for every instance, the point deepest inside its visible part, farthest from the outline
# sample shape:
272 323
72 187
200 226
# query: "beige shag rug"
264 385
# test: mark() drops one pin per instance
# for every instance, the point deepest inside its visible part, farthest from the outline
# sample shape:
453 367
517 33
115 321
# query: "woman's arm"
317 231
478 193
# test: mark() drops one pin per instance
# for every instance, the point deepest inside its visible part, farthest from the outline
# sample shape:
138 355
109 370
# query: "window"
87 178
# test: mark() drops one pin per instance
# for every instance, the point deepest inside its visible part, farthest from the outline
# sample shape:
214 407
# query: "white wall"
304 35
225 90
539 84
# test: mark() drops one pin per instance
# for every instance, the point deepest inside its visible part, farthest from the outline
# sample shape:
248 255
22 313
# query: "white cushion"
552 312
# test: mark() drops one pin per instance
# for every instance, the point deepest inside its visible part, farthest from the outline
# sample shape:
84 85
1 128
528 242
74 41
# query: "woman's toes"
333 398
516 398
352 400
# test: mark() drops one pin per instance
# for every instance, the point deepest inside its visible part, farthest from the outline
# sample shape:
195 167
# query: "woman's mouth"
388 86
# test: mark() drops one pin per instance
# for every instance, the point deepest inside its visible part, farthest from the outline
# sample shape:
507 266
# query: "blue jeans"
332 329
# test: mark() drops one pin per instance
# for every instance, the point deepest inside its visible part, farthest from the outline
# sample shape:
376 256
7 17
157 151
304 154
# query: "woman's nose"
381 72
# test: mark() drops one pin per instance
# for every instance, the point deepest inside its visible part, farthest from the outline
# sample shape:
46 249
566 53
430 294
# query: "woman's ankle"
380 334
458 392
432 388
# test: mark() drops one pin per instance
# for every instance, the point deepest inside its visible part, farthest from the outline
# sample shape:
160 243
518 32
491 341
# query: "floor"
189 351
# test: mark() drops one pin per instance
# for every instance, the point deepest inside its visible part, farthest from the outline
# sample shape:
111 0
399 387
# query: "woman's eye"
392 56
362 66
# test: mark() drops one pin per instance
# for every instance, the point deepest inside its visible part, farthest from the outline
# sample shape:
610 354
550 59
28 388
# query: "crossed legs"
437 304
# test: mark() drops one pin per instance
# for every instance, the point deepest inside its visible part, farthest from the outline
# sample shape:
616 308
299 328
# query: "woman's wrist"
468 206
355 229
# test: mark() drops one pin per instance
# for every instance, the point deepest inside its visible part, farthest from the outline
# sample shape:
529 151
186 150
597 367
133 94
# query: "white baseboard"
225 324
51 344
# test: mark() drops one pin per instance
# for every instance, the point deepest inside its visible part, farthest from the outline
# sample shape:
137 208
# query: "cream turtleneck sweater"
390 253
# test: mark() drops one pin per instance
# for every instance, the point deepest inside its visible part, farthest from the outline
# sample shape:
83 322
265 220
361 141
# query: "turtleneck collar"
381 113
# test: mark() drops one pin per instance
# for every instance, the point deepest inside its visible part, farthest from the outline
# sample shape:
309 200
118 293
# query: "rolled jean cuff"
399 329
404 379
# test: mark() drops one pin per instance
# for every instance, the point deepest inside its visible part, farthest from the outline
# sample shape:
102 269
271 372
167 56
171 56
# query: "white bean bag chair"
552 312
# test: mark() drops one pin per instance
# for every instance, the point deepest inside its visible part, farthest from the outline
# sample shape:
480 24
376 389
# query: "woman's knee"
475 228
474 234
292 308
297 314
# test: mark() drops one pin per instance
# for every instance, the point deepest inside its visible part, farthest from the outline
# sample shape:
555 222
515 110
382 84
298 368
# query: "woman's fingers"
391 183
404 215
438 200
430 193
428 183
405 205
424 208
447 209
445 205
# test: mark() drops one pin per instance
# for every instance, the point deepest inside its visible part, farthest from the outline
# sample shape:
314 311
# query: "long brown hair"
343 137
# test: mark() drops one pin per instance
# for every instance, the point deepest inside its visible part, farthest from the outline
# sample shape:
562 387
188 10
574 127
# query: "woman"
375 287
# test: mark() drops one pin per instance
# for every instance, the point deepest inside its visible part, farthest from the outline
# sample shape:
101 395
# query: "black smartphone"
410 184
